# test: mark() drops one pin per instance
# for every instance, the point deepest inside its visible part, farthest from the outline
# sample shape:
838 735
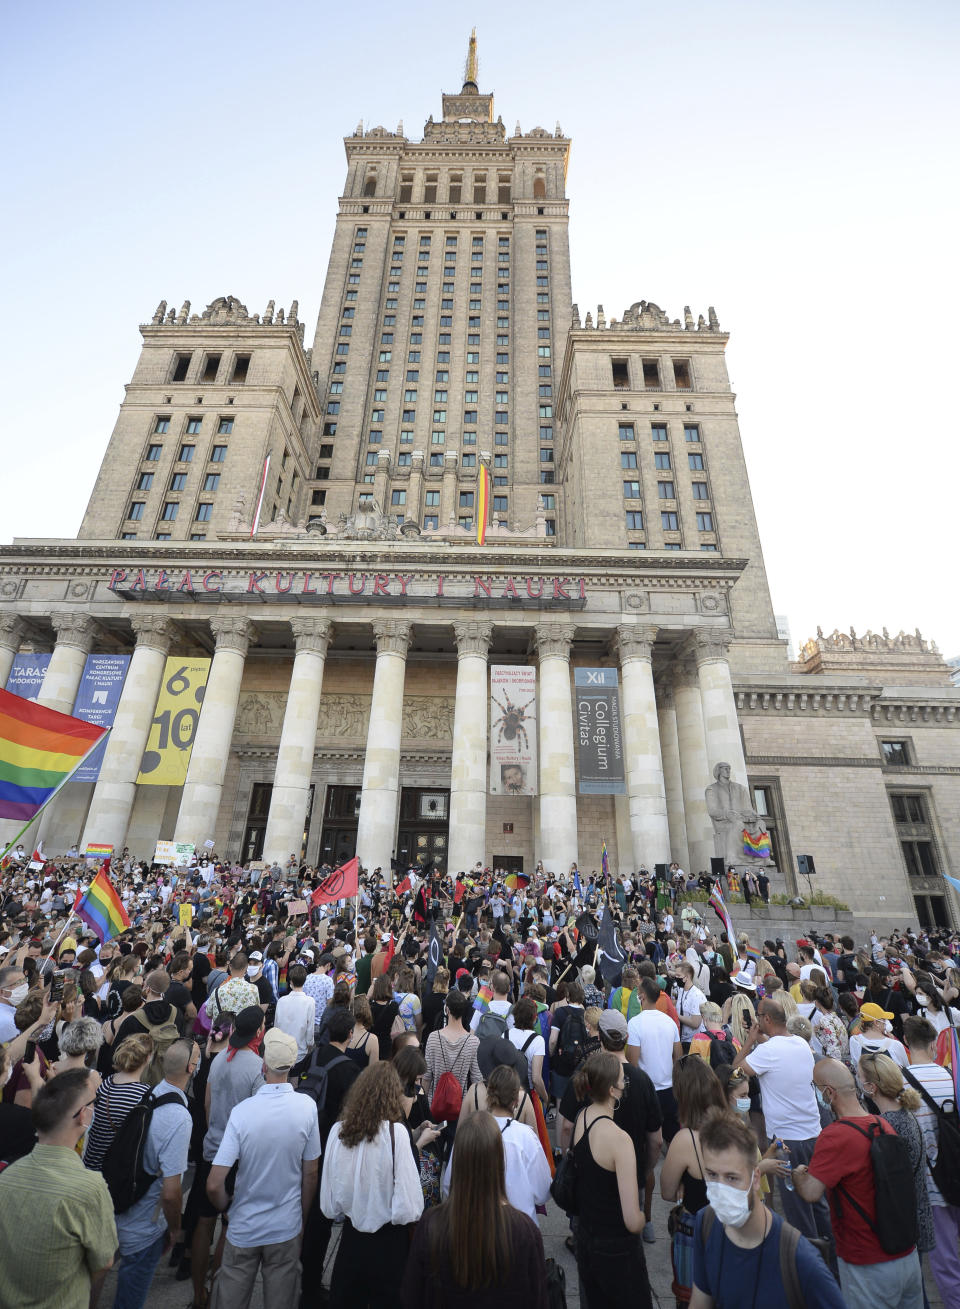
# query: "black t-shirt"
847 965
263 990
17 1137
179 995
638 1112
432 1006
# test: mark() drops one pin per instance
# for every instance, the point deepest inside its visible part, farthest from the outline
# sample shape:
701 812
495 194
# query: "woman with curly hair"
372 1182
364 1047
476 1249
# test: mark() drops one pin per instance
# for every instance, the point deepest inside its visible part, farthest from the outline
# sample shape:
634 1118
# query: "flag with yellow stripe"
40 750
483 503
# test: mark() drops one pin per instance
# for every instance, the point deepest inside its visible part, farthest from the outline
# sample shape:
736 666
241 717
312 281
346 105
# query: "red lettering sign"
254 583
207 578
119 575
381 584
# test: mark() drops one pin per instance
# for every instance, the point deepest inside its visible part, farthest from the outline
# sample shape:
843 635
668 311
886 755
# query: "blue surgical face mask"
743 1104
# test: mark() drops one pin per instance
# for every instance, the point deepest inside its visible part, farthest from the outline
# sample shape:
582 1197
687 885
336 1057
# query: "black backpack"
722 1051
491 1025
893 1189
316 1080
946 1171
571 1044
123 1171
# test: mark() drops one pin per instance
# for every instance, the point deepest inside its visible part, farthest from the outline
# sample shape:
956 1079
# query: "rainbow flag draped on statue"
40 750
756 846
101 909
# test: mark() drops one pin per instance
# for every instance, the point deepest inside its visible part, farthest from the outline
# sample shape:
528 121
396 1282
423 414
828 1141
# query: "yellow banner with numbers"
174 725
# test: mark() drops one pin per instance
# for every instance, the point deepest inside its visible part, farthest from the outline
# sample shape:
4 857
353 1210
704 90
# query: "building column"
13 632
116 787
558 781
298 741
75 637
468 769
377 822
203 789
720 724
693 767
672 777
649 828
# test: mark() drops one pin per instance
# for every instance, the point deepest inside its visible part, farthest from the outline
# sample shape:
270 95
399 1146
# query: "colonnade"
675 730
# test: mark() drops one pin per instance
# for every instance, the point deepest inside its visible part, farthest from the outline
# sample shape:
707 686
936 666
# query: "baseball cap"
874 1013
279 1050
255 955
245 1026
613 1023
385 938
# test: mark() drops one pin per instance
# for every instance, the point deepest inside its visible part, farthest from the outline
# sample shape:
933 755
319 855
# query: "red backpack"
448 1093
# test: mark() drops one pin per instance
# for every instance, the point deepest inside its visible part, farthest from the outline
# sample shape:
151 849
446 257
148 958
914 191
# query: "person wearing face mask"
842 1168
57 1229
13 991
743 1254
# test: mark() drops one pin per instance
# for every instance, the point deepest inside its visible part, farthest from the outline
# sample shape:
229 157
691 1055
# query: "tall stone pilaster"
720 724
649 828
377 822
298 740
468 772
203 789
672 776
558 784
693 766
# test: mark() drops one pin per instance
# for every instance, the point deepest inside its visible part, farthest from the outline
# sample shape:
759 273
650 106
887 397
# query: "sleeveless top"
694 1188
598 1195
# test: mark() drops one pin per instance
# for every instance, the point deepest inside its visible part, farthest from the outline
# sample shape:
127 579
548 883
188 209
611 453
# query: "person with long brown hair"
475 1251
371 1181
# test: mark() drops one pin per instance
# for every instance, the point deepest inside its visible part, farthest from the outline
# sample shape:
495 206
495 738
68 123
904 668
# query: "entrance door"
511 863
424 829
338 837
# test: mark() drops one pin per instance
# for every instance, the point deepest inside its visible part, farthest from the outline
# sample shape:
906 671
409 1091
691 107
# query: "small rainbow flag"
516 881
98 851
484 996
758 847
483 503
101 908
753 953
604 861
40 750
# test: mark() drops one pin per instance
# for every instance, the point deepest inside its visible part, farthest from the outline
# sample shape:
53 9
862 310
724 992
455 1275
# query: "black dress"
609 1257
384 1012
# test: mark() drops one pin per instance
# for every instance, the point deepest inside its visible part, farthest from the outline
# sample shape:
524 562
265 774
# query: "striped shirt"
938 1084
114 1101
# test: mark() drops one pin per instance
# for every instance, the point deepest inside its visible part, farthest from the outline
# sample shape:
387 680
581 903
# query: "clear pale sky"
793 165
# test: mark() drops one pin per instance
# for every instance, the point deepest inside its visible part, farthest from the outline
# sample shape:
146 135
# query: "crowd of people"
365 1099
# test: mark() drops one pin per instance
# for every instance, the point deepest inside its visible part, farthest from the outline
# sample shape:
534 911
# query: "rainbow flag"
723 913
40 750
604 861
98 851
758 847
483 503
484 996
753 953
101 908
516 881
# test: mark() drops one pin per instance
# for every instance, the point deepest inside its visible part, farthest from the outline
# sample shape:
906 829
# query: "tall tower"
444 312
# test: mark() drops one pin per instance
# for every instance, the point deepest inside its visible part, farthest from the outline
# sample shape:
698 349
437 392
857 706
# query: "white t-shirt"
689 1003
499 1007
861 1045
784 1065
536 1047
655 1033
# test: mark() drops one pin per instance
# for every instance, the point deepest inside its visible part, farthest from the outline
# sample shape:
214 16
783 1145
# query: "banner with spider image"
513 730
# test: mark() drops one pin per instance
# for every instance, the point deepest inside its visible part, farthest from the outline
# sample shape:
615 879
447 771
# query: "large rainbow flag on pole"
101 908
483 503
723 913
40 750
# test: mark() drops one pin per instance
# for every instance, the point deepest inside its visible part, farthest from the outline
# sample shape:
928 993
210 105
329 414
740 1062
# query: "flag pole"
63 932
56 791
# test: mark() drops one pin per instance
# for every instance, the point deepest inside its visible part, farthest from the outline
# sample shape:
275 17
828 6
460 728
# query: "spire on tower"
470 67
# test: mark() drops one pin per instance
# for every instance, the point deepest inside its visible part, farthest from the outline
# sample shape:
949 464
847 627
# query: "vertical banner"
513 730
97 698
175 719
26 675
599 735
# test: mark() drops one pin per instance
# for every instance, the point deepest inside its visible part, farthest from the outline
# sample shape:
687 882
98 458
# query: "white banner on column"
513 730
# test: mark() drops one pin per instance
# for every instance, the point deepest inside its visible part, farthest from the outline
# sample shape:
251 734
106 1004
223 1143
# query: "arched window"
370 185
539 187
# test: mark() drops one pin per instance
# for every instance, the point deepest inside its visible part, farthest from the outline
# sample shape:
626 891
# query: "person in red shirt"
868 1274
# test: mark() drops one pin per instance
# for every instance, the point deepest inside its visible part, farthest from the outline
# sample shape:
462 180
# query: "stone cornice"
882 706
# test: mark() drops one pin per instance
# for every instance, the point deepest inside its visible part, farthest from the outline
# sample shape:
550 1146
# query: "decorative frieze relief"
346 717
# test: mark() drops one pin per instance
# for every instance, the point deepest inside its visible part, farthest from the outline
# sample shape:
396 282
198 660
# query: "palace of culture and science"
284 535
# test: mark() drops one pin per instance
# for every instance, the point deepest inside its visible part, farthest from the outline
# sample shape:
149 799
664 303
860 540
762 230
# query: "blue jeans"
135 1275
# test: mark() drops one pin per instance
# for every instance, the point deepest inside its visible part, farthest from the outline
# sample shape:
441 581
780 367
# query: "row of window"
649 378
210 369
170 511
658 432
161 425
661 460
155 451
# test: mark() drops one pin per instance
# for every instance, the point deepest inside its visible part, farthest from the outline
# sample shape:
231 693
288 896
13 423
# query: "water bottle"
783 1154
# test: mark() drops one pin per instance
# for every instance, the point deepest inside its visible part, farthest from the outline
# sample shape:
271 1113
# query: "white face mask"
743 1106
19 994
730 1204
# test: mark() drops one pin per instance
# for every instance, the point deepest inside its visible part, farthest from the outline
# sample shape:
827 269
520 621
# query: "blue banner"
27 674
599 737
97 698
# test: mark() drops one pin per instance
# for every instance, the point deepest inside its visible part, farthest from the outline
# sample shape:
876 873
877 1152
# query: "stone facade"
351 621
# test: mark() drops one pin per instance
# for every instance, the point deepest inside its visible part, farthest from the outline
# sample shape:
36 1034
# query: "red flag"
458 891
342 883
403 886
420 907
391 950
